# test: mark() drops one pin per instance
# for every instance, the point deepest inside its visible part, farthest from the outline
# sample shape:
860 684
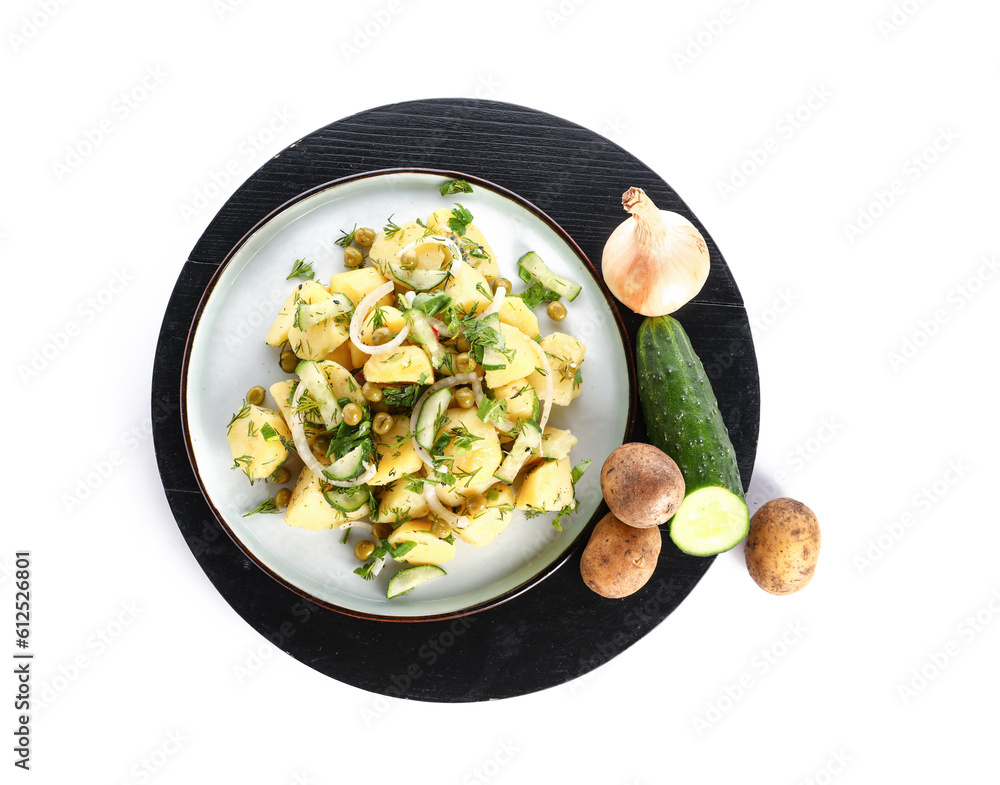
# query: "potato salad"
415 413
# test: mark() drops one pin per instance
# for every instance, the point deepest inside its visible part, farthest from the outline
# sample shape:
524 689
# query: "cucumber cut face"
710 520
411 577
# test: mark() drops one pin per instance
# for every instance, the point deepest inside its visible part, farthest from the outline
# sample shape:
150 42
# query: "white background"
862 234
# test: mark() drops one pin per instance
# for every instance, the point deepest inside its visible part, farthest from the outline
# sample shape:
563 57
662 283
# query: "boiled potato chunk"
318 339
403 365
556 443
255 439
472 455
342 356
494 519
282 393
397 456
475 250
429 549
521 398
384 250
520 359
515 313
357 284
342 382
307 292
469 291
308 509
397 502
547 487
562 350
382 316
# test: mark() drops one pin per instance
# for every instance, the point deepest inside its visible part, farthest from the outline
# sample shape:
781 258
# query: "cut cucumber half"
709 521
411 577
348 467
311 314
347 501
530 267
434 405
422 332
527 441
318 386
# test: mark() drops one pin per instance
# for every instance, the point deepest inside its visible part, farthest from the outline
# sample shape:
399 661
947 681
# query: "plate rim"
563 235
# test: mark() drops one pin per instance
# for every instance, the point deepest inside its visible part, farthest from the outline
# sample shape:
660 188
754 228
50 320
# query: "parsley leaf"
460 219
492 410
456 187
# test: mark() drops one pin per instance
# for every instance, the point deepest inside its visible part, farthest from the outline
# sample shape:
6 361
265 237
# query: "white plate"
227 356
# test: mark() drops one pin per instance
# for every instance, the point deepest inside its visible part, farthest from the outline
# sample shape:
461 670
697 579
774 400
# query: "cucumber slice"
421 331
411 577
527 441
434 405
311 314
491 358
709 521
530 267
418 280
318 387
347 500
348 467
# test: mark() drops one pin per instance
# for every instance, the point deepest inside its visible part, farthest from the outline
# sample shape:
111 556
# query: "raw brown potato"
619 559
642 485
783 545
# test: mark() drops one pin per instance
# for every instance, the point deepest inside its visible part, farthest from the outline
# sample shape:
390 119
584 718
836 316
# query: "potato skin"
642 485
619 559
782 547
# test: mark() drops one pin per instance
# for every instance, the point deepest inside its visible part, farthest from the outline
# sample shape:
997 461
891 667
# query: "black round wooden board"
558 630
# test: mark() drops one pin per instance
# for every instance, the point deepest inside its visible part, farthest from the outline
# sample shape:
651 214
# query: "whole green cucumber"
683 419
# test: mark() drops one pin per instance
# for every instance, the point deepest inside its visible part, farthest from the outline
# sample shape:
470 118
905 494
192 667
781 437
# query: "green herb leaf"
492 410
460 219
456 187
391 229
266 506
346 238
301 269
